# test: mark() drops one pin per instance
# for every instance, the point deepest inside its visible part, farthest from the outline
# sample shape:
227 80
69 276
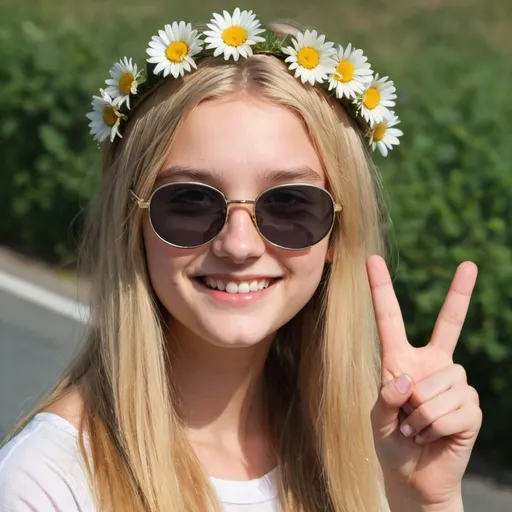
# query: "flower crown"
175 51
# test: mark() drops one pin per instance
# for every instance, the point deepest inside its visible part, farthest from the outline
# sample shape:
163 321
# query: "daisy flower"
375 102
353 73
173 49
105 118
233 35
123 82
383 136
311 57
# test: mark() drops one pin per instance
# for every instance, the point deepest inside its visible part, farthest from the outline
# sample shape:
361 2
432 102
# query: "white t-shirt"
41 470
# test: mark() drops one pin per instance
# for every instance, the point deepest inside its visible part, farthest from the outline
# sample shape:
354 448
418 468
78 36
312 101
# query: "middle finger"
437 383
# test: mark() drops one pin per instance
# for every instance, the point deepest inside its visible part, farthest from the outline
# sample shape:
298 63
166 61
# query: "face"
238 289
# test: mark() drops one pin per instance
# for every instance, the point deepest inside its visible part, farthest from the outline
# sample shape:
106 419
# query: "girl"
239 297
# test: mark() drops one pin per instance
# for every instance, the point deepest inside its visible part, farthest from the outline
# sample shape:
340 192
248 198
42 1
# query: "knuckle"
460 373
453 317
473 395
422 416
438 428
478 413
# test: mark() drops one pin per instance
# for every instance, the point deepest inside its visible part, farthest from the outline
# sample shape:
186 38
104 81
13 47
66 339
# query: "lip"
233 299
239 278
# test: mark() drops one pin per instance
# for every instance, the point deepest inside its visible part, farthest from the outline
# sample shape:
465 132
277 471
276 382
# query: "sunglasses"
189 215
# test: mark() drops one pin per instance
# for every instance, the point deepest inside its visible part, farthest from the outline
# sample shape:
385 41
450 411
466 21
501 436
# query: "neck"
220 389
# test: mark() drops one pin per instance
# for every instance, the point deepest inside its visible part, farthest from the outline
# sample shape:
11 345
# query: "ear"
329 254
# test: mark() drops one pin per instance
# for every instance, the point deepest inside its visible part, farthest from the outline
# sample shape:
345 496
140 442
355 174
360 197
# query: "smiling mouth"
249 286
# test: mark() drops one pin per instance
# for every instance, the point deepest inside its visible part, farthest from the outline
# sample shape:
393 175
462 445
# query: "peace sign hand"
426 418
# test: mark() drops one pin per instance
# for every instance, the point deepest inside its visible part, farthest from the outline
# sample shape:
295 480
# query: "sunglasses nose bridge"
247 202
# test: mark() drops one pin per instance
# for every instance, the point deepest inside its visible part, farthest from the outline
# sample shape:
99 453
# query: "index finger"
390 323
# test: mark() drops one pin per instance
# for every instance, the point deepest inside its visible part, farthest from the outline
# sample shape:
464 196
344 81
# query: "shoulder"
42 470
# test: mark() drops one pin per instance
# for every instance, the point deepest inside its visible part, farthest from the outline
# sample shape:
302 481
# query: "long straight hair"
322 371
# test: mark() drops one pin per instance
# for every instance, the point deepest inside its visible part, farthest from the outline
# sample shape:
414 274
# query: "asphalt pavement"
37 341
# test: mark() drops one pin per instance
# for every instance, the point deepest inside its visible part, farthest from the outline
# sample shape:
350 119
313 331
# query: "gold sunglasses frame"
146 205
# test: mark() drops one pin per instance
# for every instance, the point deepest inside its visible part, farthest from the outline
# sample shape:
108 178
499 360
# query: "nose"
239 239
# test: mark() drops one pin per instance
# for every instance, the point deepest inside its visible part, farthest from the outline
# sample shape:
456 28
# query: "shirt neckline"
241 492
238 492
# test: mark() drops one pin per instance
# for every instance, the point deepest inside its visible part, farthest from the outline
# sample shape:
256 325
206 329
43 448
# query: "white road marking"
36 294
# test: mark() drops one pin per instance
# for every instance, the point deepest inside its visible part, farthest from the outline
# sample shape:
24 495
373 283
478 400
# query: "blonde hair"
324 362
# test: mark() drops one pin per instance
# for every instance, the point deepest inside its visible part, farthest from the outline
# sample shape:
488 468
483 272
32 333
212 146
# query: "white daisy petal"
382 149
156 60
233 34
190 63
172 50
375 102
152 52
383 136
164 37
175 71
352 74
163 64
395 132
105 117
123 82
311 57
236 18
218 51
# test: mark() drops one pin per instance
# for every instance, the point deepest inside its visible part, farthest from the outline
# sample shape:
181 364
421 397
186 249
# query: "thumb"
393 395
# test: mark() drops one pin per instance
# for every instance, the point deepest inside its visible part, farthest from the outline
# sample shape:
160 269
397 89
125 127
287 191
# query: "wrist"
406 506
400 500
454 506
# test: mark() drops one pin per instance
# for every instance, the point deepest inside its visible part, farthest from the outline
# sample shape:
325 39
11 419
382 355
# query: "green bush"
450 189
49 163
449 183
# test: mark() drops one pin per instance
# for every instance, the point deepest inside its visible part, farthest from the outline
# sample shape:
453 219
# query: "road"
35 346
37 343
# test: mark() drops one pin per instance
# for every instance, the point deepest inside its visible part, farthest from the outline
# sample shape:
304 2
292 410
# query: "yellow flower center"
235 36
345 71
125 83
308 58
379 131
371 98
176 51
109 116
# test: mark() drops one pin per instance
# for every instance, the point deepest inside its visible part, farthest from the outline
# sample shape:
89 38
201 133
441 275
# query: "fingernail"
403 384
406 430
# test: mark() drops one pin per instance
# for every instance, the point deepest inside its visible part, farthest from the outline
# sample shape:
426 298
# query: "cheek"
306 267
164 261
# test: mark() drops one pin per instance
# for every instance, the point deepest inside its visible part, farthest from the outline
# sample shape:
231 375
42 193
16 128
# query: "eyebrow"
270 176
184 173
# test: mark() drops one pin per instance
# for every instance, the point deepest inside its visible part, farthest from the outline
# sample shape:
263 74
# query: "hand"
426 418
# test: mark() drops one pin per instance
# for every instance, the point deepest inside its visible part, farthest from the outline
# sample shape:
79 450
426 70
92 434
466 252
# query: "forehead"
242 139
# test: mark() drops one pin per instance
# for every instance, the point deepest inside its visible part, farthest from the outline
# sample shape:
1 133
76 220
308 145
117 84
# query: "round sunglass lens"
187 215
295 216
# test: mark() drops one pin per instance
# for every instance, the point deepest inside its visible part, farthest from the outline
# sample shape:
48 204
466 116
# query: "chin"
231 334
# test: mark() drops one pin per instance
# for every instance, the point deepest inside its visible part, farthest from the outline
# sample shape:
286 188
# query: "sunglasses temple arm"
140 202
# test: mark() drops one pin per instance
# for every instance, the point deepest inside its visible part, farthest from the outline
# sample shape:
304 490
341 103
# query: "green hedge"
450 191
49 164
449 184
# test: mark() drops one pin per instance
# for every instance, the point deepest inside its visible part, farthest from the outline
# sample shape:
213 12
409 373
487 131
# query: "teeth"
236 287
